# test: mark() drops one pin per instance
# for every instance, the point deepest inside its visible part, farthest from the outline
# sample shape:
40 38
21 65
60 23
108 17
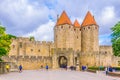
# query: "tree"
116 39
5 41
32 38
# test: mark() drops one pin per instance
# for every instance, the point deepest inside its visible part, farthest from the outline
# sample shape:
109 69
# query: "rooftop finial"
57 17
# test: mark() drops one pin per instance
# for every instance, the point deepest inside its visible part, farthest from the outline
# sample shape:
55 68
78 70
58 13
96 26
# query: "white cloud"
107 15
22 14
78 18
105 39
44 32
25 16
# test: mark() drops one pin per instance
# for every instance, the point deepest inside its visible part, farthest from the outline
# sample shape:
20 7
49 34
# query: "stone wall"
107 57
89 38
2 67
89 59
89 45
69 53
30 62
64 36
115 61
77 39
25 47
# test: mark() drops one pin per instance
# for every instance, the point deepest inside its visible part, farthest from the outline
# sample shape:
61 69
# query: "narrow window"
84 28
95 27
88 27
39 50
69 27
31 50
13 46
77 37
118 63
61 26
105 52
20 44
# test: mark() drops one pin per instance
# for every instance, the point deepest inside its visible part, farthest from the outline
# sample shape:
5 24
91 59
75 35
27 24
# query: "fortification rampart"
30 62
24 46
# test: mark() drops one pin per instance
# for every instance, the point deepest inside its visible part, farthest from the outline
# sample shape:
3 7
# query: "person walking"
41 66
20 68
47 67
7 67
106 71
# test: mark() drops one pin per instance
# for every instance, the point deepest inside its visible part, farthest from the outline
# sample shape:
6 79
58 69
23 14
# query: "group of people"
8 68
108 69
46 67
20 67
72 68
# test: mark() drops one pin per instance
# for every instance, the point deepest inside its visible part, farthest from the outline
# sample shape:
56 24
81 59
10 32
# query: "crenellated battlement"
27 41
63 49
14 58
23 38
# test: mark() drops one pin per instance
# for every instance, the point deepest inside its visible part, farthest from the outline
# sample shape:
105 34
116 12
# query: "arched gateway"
62 62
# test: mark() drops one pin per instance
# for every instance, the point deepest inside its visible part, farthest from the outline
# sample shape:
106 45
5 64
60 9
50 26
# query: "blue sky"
37 17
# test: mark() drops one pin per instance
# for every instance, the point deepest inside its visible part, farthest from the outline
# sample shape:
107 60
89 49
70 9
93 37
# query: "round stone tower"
77 36
89 40
63 32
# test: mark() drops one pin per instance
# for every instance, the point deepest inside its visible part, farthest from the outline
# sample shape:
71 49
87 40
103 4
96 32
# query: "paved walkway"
55 75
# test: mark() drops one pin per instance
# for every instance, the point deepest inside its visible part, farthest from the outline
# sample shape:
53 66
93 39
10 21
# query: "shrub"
116 68
96 68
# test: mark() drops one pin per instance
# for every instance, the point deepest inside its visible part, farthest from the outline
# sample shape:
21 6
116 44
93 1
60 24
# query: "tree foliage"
3 51
5 41
32 38
116 39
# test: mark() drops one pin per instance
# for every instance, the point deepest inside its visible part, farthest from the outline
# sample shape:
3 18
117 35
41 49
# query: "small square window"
118 63
31 50
77 37
13 46
69 26
20 44
39 50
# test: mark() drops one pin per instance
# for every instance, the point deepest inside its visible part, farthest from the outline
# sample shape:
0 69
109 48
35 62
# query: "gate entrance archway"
62 62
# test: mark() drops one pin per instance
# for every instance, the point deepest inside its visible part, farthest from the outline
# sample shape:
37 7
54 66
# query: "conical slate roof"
89 20
76 24
64 19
